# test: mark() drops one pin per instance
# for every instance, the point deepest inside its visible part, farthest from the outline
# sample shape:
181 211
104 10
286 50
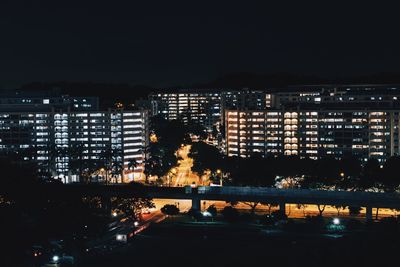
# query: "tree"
354 210
170 210
132 207
132 164
197 129
370 175
390 176
117 169
105 162
213 210
270 206
339 208
302 207
253 171
252 205
205 157
230 213
325 174
350 170
321 209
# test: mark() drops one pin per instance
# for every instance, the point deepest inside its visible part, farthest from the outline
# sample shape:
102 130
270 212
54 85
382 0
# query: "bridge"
282 197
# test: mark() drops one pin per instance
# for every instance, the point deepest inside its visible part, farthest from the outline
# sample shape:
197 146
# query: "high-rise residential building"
247 99
314 133
251 132
206 106
319 121
62 138
202 107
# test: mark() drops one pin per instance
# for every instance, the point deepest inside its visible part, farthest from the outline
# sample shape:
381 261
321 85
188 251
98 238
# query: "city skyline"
199 134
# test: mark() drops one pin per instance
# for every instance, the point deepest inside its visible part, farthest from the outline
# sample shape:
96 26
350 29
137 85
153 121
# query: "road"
184 175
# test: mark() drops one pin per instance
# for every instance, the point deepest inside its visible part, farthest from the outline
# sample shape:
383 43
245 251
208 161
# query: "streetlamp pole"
219 172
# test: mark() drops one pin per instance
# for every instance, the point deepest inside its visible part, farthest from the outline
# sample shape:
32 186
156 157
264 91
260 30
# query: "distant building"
45 101
53 136
201 107
206 106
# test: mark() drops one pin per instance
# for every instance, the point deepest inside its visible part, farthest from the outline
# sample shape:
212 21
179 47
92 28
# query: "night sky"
169 44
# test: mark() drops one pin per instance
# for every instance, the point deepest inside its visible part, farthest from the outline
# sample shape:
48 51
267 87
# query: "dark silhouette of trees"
230 214
350 171
132 206
354 210
212 210
252 205
205 157
370 175
197 129
170 136
390 176
253 171
170 210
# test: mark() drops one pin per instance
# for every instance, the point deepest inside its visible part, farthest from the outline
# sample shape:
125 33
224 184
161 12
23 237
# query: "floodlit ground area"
292 211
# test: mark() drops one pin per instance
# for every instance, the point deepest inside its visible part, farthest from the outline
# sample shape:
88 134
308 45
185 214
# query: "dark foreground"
235 245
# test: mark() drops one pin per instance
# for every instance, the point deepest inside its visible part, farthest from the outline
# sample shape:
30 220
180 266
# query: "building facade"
62 141
206 107
200 107
314 133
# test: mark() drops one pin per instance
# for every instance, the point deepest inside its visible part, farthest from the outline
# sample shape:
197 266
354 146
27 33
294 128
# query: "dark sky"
171 44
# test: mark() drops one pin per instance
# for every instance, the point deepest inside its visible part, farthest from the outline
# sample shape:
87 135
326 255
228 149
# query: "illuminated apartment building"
56 137
314 133
200 107
206 107
247 99
253 132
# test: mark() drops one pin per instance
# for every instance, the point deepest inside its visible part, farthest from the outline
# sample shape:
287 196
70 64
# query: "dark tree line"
330 173
34 210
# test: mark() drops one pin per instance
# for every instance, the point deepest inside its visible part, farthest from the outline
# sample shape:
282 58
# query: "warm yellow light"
153 138
218 171
342 174
102 169
173 170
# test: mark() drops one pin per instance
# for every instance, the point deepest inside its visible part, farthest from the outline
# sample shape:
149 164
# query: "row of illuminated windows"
133 126
132 132
289 115
133 144
132 120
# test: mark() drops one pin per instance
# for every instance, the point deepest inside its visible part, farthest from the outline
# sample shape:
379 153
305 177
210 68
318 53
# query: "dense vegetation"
328 173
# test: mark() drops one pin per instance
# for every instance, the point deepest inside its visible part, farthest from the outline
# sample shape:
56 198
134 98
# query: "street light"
336 221
219 172
55 258
342 174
